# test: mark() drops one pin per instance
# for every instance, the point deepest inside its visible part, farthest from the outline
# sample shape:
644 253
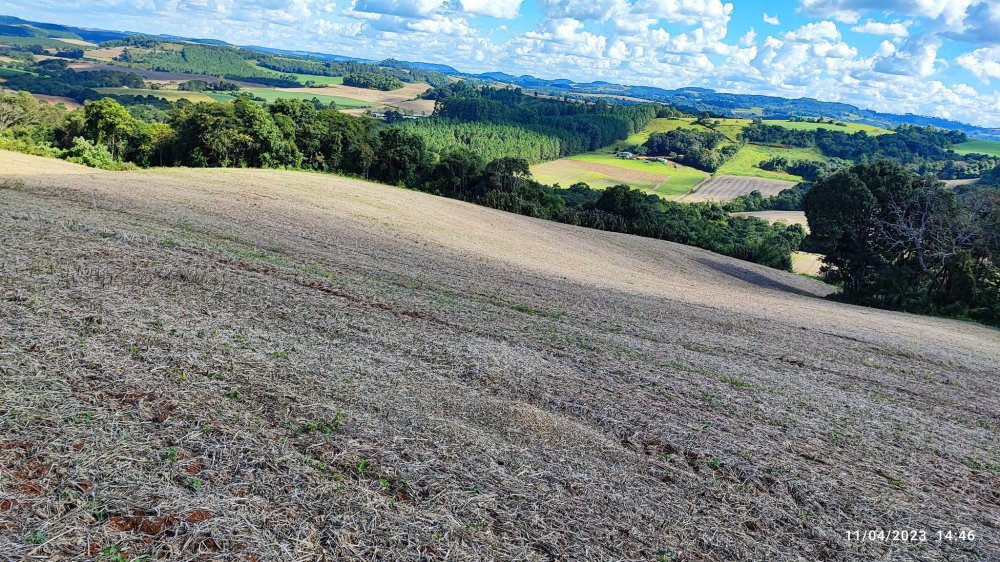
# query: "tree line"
926 149
903 241
297 134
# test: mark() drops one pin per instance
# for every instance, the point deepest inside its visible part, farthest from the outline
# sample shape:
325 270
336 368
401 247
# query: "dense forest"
489 140
227 62
503 121
373 81
297 134
903 241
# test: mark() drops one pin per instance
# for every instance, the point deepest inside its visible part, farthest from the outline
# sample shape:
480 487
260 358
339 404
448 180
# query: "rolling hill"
238 363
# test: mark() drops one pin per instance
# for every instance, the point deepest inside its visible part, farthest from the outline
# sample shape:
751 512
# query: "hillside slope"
246 364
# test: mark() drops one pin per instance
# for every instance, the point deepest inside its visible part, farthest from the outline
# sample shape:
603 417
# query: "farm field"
846 128
991 148
727 188
104 54
602 170
169 95
70 103
747 161
318 80
404 98
731 128
240 363
787 217
805 263
271 94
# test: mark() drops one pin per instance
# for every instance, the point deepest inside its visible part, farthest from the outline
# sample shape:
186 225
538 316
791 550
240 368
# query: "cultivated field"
266 365
70 103
787 217
991 148
170 95
602 170
105 54
727 188
404 98
271 94
805 263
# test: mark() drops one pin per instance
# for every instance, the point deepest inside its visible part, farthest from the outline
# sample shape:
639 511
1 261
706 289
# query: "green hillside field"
990 148
602 170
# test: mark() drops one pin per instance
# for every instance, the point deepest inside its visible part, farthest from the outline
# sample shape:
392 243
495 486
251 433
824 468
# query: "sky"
931 57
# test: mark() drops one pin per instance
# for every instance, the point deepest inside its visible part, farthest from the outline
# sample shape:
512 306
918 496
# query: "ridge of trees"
925 149
903 241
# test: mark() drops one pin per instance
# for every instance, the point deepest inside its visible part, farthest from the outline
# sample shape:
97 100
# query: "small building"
626 155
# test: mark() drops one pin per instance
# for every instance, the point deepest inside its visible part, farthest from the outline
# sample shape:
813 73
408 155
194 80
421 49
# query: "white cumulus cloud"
885 29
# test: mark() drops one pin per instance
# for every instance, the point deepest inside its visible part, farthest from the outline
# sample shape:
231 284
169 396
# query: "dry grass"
787 217
727 188
70 103
105 54
258 365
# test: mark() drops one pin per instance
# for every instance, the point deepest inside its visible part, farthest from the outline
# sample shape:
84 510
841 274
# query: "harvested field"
404 98
105 54
70 103
169 95
727 188
244 364
271 94
787 217
958 183
805 263
78 42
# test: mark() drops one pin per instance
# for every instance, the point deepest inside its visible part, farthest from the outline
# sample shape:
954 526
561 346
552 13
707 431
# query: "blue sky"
933 57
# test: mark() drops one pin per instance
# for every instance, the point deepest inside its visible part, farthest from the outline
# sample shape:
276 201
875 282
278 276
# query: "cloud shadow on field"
752 277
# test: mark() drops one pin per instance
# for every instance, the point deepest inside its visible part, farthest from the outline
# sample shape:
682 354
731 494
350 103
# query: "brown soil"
266 365
727 188
68 102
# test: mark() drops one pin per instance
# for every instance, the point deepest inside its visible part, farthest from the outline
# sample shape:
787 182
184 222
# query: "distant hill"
691 98
737 105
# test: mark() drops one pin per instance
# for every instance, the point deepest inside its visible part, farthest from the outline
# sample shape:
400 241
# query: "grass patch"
302 78
271 94
169 95
747 161
845 128
601 170
8 72
990 148
730 128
